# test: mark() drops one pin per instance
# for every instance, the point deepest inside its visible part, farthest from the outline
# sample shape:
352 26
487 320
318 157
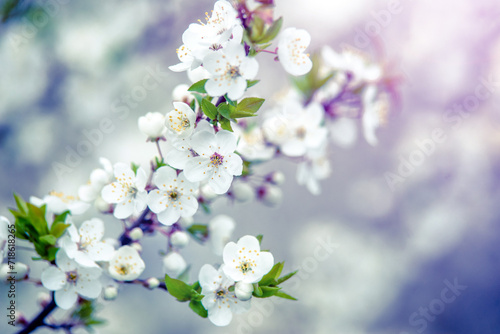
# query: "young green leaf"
259 237
286 277
21 204
225 110
257 291
272 32
268 291
225 124
281 294
209 109
48 239
271 277
198 308
250 104
198 87
178 289
251 83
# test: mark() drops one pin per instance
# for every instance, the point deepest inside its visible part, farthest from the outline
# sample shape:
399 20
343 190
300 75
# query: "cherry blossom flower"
69 279
181 151
219 301
251 144
58 202
181 120
304 130
127 192
202 39
316 167
245 262
230 69
216 161
291 47
175 196
220 229
152 125
126 264
85 245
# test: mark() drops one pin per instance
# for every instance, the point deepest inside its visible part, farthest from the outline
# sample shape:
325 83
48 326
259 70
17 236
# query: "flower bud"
181 94
102 205
179 239
136 234
152 283
152 125
277 178
43 299
243 290
110 293
137 246
243 192
20 269
271 195
174 264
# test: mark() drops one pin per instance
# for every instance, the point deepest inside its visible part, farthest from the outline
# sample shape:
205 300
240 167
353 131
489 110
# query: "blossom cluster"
208 149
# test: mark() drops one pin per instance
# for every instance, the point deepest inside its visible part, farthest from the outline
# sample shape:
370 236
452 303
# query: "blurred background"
416 255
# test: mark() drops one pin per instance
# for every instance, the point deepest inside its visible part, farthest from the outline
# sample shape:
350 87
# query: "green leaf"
242 114
178 289
198 308
134 167
225 110
250 105
21 204
209 109
48 239
198 231
231 102
225 124
259 237
198 87
281 294
251 83
205 207
51 254
268 291
286 277
271 277
272 32
58 226
257 291
198 98
196 286
257 29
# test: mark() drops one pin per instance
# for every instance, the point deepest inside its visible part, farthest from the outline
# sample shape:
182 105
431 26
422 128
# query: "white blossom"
85 246
4 235
152 125
179 239
218 300
127 192
375 109
58 202
181 120
216 161
230 69
175 196
126 264
316 167
251 144
69 279
291 47
245 262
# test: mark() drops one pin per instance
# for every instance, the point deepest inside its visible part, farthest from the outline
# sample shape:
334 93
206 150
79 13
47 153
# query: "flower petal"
198 169
220 315
220 181
170 215
66 298
53 278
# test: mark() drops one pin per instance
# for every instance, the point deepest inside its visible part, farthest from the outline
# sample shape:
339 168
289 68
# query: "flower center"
62 197
234 71
72 277
245 267
173 195
216 159
220 293
122 269
215 47
301 132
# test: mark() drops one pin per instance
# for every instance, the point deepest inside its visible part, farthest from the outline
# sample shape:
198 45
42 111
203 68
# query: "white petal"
265 262
204 143
164 177
234 164
226 140
66 298
208 274
124 210
154 198
220 315
53 278
141 179
220 181
294 148
88 288
249 242
343 132
112 193
92 230
249 68
216 88
198 169
64 262
189 206
170 215
237 88
100 251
